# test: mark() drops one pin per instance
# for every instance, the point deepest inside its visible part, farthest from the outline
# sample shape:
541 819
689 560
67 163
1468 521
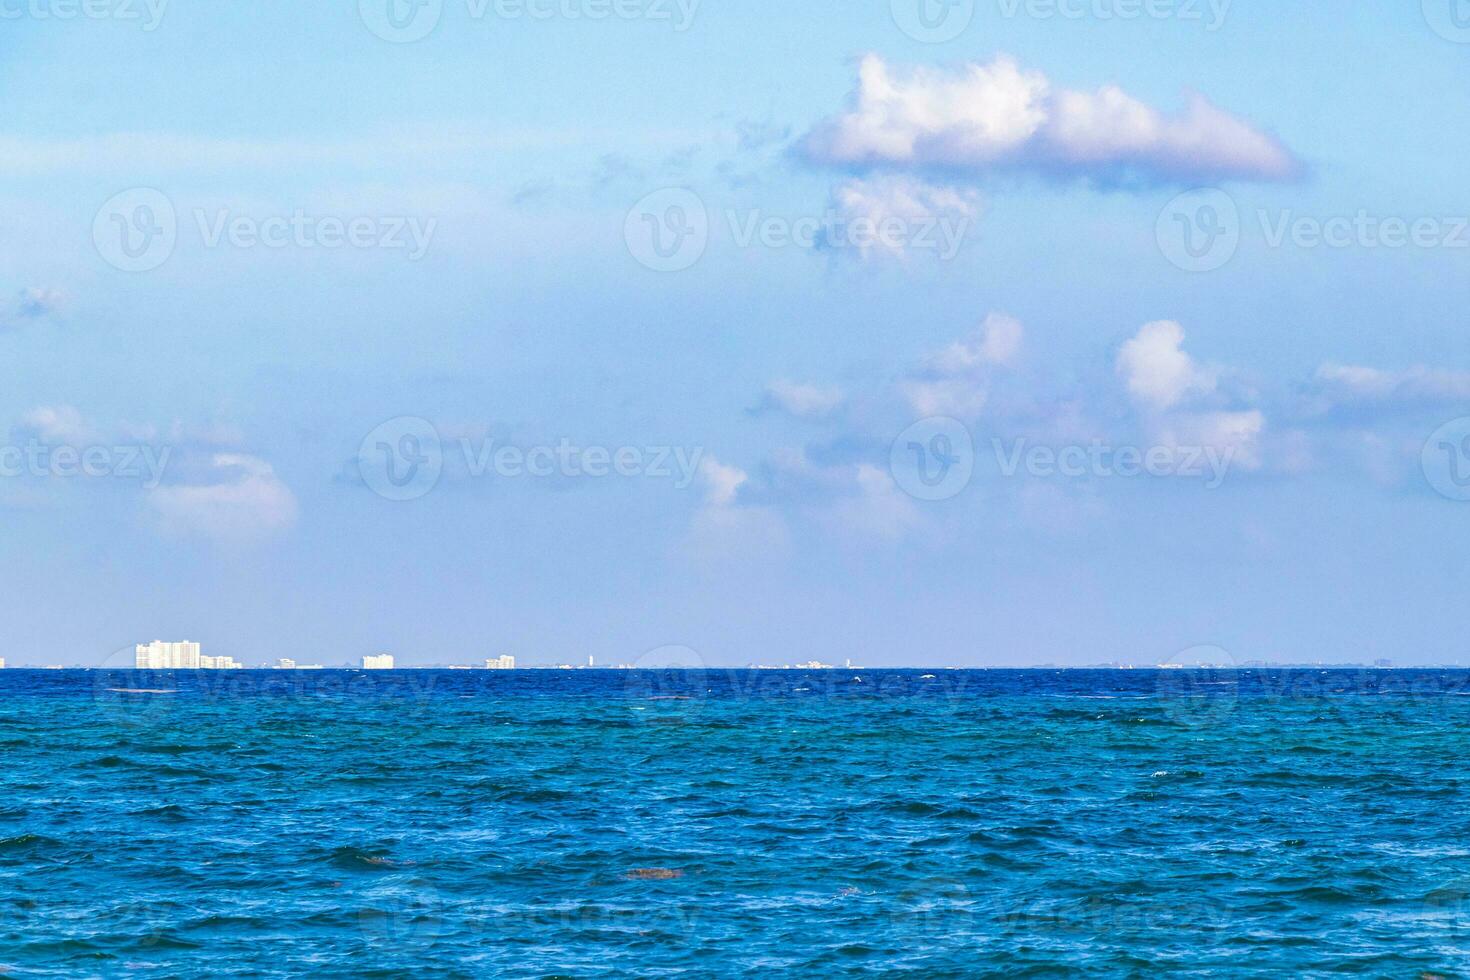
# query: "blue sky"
530 154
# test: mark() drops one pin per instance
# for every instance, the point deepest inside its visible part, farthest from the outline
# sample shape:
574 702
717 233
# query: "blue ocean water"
721 823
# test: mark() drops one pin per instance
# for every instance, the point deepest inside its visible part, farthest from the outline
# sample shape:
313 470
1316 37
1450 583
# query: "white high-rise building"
159 655
2 663
383 661
184 655
501 663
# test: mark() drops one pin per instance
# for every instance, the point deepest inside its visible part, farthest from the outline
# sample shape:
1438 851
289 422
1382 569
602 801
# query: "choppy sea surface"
734 823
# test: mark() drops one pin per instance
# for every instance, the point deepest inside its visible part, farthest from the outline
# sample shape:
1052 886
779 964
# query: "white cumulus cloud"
998 116
956 380
1156 369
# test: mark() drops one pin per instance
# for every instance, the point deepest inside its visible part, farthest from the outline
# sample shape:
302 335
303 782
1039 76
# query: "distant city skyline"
186 655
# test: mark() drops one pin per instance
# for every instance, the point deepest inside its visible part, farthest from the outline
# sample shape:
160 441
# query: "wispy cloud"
803 401
1344 384
30 305
957 379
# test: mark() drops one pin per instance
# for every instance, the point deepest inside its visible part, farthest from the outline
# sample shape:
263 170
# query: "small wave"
356 859
654 874
27 842
171 812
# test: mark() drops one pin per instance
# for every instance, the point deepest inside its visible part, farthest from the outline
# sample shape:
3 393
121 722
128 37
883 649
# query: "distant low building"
219 663
501 663
382 661
2 663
